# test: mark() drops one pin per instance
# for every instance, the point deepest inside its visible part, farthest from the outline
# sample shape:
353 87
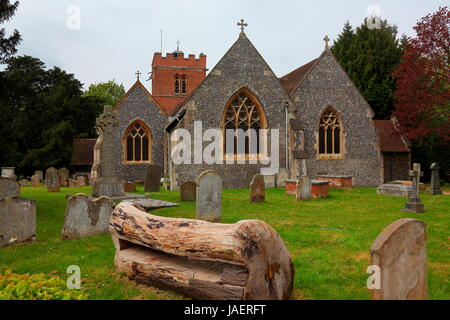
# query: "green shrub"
35 287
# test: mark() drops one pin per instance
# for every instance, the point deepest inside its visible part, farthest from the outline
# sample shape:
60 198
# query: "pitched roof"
138 84
291 80
83 152
390 138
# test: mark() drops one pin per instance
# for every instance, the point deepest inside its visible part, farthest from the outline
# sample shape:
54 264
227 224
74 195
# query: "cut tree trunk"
246 260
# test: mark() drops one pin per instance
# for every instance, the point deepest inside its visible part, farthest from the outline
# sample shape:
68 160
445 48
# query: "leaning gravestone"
86 217
8 188
52 180
63 176
188 191
153 177
209 196
17 220
435 187
400 253
257 189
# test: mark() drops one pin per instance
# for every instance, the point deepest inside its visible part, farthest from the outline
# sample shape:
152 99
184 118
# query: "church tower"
174 77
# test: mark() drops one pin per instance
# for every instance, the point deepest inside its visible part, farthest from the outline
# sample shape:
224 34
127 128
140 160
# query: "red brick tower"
174 77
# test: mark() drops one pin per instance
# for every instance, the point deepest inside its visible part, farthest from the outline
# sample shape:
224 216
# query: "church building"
324 126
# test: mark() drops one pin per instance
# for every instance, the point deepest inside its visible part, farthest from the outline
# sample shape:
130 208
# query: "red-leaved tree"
422 105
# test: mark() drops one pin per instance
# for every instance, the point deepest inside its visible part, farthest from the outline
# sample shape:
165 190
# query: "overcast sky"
118 37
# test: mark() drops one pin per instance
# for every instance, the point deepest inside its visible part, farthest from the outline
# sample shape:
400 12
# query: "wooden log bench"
246 260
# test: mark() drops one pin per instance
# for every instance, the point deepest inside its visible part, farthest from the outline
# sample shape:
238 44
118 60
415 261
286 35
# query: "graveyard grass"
329 240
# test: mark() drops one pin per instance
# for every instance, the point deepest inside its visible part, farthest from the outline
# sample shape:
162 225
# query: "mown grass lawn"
329 240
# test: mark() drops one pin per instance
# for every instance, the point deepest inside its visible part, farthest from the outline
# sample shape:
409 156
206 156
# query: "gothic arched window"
138 143
177 84
330 133
243 112
183 85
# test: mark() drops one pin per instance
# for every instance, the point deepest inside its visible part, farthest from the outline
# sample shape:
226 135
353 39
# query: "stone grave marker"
153 175
250 174
24 182
414 205
63 176
8 188
400 253
35 181
81 181
17 220
188 191
257 189
86 217
129 186
40 175
209 196
52 180
304 186
435 187
8 172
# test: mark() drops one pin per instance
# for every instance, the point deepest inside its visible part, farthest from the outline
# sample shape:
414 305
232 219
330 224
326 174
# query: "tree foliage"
369 56
43 110
110 92
422 104
8 44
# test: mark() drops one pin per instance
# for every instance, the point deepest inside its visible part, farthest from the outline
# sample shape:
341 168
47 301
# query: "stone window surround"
180 85
330 156
124 144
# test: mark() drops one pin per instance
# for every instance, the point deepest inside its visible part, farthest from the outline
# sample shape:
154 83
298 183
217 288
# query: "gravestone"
188 191
24 182
209 196
81 181
8 188
282 176
86 217
257 189
250 174
17 220
153 175
72 183
400 253
108 184
52 180
414 205
395 189
8 172
304 186
63 175
435 187
40 175
35 181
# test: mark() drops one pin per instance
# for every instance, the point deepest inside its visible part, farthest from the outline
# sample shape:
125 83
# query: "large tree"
110 92
369 56
45 110
8 44
422 104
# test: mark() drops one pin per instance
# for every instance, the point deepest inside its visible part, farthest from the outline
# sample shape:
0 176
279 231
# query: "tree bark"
245 260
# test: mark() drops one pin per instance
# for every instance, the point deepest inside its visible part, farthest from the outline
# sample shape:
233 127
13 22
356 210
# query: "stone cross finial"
138 74
242 25
414 205
326 39
106 124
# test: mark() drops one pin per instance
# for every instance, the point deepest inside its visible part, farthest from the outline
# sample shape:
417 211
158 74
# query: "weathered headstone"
257 189
108 184
63 175
52 180
8 188
250 174
414 205
81 181
35 181
40 175
304 188
188 191
209 196
8 172
153 175
435 187
400 253
395 189
282 176
24 182
86 217
17 220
